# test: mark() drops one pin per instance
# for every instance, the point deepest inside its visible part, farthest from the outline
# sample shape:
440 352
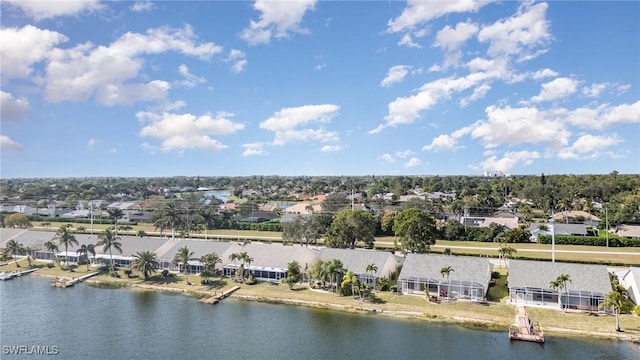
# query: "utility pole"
553 238
606 222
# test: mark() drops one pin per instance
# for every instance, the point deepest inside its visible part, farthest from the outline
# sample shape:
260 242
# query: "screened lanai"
468 278
530 285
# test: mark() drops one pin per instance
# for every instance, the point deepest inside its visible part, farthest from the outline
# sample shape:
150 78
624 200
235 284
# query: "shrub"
393 288
495 275
128 272
636 310
165 273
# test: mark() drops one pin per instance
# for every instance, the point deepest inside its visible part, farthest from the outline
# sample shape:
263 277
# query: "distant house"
575 216
630 279
473 221
257 216
124 206
468 280
530 285
21 209
357 261
303 208
558 229
628 231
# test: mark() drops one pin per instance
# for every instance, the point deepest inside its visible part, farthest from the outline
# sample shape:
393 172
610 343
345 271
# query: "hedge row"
614 241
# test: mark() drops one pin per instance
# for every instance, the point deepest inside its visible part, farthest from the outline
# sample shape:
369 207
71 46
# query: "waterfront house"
469 278
530 285
199 249
357 260
558 229
628 231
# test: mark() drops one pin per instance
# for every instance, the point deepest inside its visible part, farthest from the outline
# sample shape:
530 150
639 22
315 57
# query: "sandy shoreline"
391 309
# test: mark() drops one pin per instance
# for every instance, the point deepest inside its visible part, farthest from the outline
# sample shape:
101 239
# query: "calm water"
85 322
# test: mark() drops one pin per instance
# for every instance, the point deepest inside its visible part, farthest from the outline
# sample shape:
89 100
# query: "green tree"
504 252
116 214
303 229
416 229
67 239
13 248
86 250
182 258
452 230
349 227
145 262
370 270
293 274
109 240
446 271
17 221
559 284
210 260
619 303
51 246
517 235
333 270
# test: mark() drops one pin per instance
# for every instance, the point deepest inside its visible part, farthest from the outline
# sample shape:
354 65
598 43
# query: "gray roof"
539 274
559 228
276 255
465 268
357 260
199 248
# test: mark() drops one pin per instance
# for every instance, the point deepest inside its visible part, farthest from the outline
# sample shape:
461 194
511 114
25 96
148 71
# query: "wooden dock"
219 297
65 282
524 329
15 274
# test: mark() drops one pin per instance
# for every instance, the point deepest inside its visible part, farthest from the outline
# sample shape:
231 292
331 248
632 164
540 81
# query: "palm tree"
618 302
446 271
172 218
145 262
505 252
235 257
116 214
206 217
51 247
182 258
13 248
561 283
66 238
249 260
373 269
84 250
108 240
209 261
334 270
293 273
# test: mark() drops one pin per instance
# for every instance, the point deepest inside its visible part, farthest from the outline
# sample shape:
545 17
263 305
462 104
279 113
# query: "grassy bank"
494 316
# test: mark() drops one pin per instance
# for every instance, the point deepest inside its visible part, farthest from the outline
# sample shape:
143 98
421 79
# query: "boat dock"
15 274
524 328
218 297
65 282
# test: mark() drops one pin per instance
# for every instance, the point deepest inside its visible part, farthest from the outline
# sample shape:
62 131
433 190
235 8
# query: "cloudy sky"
106 88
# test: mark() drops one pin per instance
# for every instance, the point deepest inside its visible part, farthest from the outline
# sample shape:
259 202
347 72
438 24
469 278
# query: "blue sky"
212 88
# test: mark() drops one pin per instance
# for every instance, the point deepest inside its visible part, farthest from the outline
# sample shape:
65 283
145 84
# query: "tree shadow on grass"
160 280
376 300
216 284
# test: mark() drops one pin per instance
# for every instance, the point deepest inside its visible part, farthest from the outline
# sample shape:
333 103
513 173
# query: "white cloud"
331 148
601 116
12 109
407 41
395 74
253 149
6 143
556 89
589 146
186 131
39 9
278 18
412 162
478 93
594 90
24 47
509 160
419 12
525 125
142 6
190 79
544 73
387 158
287 123
238 59
451 39
404 154
92 143
520 34
78 73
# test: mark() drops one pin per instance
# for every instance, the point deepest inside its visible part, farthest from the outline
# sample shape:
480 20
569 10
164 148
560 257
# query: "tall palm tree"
206 217
249 260
84 250
235 257
51 247
445 271
182 258
617 301
109 240
372 269
334 270
559 284
504 252
293 273
172 218
13 248
116 214
145 262
66 238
